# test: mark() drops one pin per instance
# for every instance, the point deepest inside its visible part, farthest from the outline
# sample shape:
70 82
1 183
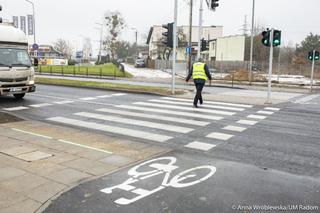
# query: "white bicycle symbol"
178 181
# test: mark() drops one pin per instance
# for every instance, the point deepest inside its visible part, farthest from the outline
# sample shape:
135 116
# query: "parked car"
139 63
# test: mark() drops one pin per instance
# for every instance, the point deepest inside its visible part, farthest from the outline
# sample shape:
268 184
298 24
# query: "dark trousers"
198 97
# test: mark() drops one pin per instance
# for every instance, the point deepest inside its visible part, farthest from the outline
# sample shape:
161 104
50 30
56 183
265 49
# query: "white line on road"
265 112
219 136
31 133
15 108
272 108
63 102
88 99
119 94
207 106
40 105
306 99
185 108
235 128
84 146
172 112
112 129
200 145
211 102
103 96
156 117
261 117
247 122
167 127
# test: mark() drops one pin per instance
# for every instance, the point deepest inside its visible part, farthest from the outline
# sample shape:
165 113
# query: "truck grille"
13 79
13 85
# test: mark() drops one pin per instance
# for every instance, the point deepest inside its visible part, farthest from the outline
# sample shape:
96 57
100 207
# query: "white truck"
16 69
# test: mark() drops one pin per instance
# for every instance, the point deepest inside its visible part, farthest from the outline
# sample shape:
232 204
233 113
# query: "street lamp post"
251 43
100 46
34 22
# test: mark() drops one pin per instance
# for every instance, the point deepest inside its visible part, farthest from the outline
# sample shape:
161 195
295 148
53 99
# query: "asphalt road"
250 159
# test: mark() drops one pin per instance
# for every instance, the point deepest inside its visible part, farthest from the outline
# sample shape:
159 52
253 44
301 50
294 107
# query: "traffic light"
204 45
276 38
0 17
266 38
168 34
214 4
316 55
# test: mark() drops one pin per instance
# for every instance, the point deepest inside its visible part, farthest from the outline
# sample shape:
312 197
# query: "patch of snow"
145 72
291 79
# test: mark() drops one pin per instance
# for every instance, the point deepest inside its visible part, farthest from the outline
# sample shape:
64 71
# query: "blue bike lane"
185 182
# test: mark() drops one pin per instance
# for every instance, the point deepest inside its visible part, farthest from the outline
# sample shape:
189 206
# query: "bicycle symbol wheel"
177 181
158 164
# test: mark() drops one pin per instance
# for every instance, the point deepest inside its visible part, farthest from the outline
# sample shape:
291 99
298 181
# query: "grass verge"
96 70
107 86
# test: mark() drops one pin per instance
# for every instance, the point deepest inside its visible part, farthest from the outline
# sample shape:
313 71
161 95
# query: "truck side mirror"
35 62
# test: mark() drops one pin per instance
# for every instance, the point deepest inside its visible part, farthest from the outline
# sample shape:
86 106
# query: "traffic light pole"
200 28
174 53
270 67
312 69
251 43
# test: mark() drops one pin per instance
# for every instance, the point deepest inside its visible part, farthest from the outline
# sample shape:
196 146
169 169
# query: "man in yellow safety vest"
199 73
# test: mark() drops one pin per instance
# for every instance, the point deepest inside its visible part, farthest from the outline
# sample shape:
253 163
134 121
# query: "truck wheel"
19 96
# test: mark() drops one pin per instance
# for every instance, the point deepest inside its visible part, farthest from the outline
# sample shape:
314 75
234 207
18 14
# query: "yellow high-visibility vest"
199 71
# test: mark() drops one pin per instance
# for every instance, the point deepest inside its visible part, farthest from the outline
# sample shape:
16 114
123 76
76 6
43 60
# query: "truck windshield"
14 58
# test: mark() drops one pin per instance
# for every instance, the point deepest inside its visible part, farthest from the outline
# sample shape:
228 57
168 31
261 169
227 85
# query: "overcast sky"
73 19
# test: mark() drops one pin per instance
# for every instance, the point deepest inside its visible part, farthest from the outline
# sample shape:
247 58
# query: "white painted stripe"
40 105
15 108
156 117
200 145
63 102
119 94
306 99
261 117
167 127
211 102
88 99
234 128
247 122
220 136
187 114
265 112
185 108
84 146
272 108
112 129
191 101
103 96
31 133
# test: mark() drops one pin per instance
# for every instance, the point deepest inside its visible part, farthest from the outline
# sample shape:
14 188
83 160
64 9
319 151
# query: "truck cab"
16 69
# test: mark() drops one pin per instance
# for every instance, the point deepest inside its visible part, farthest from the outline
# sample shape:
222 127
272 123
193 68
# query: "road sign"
188 50
35 46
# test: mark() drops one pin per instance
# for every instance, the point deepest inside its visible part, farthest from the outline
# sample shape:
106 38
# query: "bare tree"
64 47
115 24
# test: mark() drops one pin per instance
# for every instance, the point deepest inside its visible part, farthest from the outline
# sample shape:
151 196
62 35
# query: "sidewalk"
39 161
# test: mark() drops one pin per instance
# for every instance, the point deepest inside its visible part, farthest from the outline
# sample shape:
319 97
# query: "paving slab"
68 176
10 172
46 191
26 206
34 156
117 160
18 150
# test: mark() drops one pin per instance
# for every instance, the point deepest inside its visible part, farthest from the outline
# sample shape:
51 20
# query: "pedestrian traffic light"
276 38
168 41
266 38
204 45
214 4
316 55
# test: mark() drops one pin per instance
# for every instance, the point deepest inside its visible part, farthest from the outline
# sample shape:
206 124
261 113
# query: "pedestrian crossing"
163 120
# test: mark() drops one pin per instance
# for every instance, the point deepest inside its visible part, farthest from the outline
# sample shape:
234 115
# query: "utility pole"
190 37
270 66
200 28
174 45
100 46
251 44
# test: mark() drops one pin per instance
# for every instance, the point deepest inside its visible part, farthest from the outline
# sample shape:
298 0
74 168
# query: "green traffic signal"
316 55
266 38
276 38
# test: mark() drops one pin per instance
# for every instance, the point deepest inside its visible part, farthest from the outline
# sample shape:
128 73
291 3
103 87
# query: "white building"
230 48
